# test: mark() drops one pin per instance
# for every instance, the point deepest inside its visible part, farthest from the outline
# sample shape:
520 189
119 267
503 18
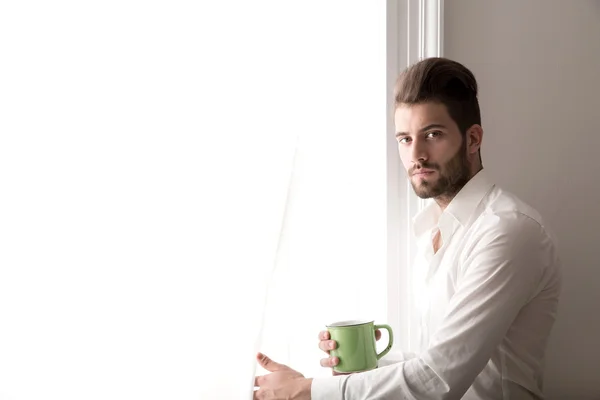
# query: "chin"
424 196
423 184
424 192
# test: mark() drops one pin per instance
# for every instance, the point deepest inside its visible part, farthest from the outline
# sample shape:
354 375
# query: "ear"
474 137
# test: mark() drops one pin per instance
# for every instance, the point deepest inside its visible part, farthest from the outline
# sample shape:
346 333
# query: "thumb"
268 364
377 334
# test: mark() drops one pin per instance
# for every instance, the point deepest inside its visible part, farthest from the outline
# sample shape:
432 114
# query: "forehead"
415 116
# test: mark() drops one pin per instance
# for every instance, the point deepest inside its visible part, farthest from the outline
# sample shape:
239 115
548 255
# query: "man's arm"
395 357
501 274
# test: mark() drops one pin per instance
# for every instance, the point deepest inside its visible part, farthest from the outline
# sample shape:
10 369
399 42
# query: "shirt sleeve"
394 357
500 273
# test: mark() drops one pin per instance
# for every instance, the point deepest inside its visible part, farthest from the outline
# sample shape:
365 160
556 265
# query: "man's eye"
403 140
433 134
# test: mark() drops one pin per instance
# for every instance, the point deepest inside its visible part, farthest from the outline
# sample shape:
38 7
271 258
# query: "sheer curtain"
331 234
148 150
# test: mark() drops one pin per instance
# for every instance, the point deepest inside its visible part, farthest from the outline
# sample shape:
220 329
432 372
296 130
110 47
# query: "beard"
451 177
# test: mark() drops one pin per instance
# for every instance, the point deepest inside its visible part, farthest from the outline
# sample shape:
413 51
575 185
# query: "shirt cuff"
327 388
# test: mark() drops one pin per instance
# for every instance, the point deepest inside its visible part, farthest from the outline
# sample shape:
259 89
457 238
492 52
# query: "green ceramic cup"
356 345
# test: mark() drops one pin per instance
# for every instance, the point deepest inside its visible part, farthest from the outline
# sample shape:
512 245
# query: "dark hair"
443 81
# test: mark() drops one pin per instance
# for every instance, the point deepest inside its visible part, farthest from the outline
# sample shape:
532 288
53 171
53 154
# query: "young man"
489 272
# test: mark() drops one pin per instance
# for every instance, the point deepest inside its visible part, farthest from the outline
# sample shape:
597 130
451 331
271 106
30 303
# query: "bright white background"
145 154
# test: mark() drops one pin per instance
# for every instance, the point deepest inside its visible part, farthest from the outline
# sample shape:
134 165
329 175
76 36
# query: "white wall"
538 66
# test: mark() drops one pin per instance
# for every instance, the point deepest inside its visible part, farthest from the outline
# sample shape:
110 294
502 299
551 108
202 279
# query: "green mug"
356 349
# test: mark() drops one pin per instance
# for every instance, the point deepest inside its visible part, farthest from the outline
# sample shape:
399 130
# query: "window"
149 151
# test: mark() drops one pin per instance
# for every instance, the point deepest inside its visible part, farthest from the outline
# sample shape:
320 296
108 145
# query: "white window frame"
414 31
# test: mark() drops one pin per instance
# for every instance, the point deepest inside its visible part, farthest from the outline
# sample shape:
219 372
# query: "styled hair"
443 81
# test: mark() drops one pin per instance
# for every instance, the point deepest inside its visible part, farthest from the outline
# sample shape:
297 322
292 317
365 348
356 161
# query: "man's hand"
327 345
283 383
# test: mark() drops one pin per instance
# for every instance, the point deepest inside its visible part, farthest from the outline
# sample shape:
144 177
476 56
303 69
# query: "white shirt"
489 300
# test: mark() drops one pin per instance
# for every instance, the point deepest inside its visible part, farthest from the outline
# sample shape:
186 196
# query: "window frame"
414 31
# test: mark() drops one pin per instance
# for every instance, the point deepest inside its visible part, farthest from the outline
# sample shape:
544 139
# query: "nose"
418 151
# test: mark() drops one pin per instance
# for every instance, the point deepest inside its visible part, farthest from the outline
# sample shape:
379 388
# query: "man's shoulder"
510 211
503 214
509 225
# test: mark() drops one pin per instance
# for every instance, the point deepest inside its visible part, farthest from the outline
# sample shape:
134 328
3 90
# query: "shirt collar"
461 206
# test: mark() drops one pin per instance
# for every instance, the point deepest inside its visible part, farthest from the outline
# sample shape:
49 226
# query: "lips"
423 172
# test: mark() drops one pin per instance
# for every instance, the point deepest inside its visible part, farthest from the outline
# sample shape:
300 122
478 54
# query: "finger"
334 373
324 335
377 334
327 345
268 364
259 380
329 362
260 394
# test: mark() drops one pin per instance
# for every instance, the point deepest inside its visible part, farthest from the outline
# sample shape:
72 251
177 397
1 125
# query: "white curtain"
332 234
147 154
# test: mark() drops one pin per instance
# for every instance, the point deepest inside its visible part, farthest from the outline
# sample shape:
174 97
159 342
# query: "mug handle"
391 339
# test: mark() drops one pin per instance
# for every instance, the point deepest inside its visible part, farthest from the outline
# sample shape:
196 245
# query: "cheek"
442 156
405 158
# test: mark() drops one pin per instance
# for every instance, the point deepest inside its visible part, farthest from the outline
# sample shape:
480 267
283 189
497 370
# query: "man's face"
432 150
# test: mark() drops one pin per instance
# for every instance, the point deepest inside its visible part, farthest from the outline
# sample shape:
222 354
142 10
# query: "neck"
445 199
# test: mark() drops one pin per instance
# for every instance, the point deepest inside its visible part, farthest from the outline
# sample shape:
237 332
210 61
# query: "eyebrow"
426 128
